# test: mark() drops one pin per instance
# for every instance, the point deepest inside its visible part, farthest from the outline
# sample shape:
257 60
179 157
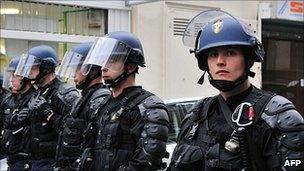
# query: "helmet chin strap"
224 85
24 81
41 76
114 82
89 78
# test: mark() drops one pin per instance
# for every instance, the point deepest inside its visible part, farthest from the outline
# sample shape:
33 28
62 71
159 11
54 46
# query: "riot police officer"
52 101
2 90
8 100
94 95
242 128
131 131
16 141
2 95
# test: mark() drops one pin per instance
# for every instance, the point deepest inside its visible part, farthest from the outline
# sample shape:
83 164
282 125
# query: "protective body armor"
76 122
3 97
16 136
61 98
132 131
202 142
6 107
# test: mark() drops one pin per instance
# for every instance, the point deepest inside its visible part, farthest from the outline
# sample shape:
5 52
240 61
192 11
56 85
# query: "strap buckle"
192 131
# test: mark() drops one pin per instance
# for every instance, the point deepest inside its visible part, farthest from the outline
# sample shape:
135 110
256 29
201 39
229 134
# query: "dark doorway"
283 68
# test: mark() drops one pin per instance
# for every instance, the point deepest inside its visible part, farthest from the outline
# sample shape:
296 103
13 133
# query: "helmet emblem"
217 26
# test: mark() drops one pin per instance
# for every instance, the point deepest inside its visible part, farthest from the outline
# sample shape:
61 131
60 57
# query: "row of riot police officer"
115 125
33 110
48 125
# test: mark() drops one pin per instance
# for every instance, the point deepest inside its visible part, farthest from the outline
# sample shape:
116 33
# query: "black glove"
21 118
42 109
122 168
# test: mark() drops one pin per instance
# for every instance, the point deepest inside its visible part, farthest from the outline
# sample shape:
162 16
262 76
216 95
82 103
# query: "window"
283 68
53 18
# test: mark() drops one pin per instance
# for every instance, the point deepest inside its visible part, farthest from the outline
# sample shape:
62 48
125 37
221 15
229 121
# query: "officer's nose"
104 69
221 60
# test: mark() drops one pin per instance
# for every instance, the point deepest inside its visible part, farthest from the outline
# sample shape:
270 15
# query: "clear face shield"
204 18
107 53
10 80
28 66
7 79
71 62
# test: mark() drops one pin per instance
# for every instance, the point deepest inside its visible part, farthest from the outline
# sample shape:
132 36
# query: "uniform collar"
92 88
237 99
126 91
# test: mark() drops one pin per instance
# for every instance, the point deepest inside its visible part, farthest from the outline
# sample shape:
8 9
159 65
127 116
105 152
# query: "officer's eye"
212 54
230 52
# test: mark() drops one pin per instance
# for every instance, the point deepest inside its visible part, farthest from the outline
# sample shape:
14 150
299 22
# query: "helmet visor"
70 63
204 18
108 53
26 65
7 77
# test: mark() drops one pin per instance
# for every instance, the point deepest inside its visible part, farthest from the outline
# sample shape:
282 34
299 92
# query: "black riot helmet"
119 48
136 55
9 72
73 61
44 57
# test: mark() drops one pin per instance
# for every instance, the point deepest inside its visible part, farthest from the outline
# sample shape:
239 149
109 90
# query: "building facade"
171 71
60 24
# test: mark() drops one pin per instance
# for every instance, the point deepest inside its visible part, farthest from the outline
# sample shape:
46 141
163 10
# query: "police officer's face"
226 63
110 71
34 72
16 83
78 77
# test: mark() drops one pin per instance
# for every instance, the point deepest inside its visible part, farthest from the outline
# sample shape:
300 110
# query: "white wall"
147 23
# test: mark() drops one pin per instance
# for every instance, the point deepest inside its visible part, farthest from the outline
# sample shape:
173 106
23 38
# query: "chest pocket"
111 129
188 157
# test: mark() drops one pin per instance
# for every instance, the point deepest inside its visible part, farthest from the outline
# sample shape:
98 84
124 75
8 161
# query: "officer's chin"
14 91
224 78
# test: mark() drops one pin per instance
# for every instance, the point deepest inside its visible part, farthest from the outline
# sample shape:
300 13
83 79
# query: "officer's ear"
132 68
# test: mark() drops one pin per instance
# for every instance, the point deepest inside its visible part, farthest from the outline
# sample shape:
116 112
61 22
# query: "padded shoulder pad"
154 110
157 115
153 102
68 94
99 98
280 113
277 105
65 89
197 105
